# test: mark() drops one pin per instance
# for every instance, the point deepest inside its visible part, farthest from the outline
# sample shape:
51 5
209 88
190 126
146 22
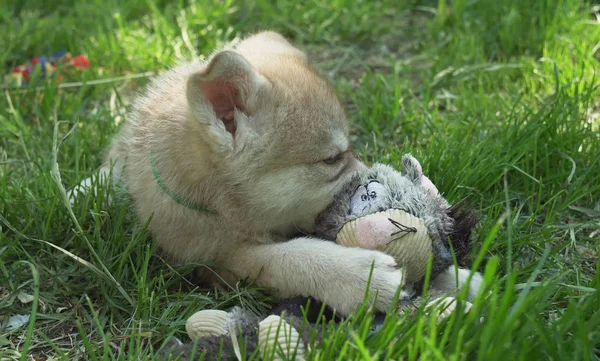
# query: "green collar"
200 207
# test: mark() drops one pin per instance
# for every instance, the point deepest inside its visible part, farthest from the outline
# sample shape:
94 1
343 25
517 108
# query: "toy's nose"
374 230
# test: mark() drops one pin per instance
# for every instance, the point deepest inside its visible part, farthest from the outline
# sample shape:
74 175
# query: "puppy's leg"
112 167
454 279
329 272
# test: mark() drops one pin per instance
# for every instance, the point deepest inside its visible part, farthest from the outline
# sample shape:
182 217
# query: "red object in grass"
81 61
23 70
21 74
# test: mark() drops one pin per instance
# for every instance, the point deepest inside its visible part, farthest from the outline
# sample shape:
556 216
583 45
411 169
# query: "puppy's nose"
355 164
360 166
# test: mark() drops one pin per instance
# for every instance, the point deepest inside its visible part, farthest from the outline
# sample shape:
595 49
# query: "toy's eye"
332 160
367 199
374 188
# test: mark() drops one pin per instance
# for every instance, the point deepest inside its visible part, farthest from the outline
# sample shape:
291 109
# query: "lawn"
498 99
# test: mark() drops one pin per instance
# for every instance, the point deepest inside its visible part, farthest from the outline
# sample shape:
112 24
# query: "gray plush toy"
402 214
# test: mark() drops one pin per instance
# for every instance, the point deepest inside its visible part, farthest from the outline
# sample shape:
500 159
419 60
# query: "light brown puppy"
257 136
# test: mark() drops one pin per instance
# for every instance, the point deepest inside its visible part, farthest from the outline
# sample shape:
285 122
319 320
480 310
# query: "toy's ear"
464 221
414 172
272 43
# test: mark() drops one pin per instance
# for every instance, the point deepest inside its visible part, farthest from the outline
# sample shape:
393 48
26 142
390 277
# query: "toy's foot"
207 323
444 306
278 338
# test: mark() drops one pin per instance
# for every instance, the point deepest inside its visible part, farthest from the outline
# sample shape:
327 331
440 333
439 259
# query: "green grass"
499 101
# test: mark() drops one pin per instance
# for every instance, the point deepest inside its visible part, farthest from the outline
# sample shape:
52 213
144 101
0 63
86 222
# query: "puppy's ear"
414 172
225 85
270 42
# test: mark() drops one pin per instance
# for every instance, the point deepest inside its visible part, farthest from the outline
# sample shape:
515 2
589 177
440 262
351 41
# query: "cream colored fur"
267 179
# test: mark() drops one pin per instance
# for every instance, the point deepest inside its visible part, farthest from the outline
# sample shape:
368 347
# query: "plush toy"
401 214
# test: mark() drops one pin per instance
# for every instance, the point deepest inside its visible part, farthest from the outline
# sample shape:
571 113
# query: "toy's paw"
207 323
443 307
279 340
347 291
448 281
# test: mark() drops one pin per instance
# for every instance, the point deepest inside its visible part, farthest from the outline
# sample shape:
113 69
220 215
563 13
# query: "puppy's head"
276 130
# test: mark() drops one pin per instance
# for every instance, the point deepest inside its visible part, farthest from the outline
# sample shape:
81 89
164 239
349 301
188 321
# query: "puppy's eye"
332 160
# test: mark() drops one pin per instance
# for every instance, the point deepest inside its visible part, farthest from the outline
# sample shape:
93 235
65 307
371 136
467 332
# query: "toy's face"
383 188
367 198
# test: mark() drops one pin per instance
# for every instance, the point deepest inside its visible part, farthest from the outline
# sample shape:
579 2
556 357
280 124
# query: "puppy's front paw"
354 270
81 189
386 278
95 184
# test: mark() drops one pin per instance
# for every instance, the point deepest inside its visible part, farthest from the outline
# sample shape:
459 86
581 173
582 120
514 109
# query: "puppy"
234 156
